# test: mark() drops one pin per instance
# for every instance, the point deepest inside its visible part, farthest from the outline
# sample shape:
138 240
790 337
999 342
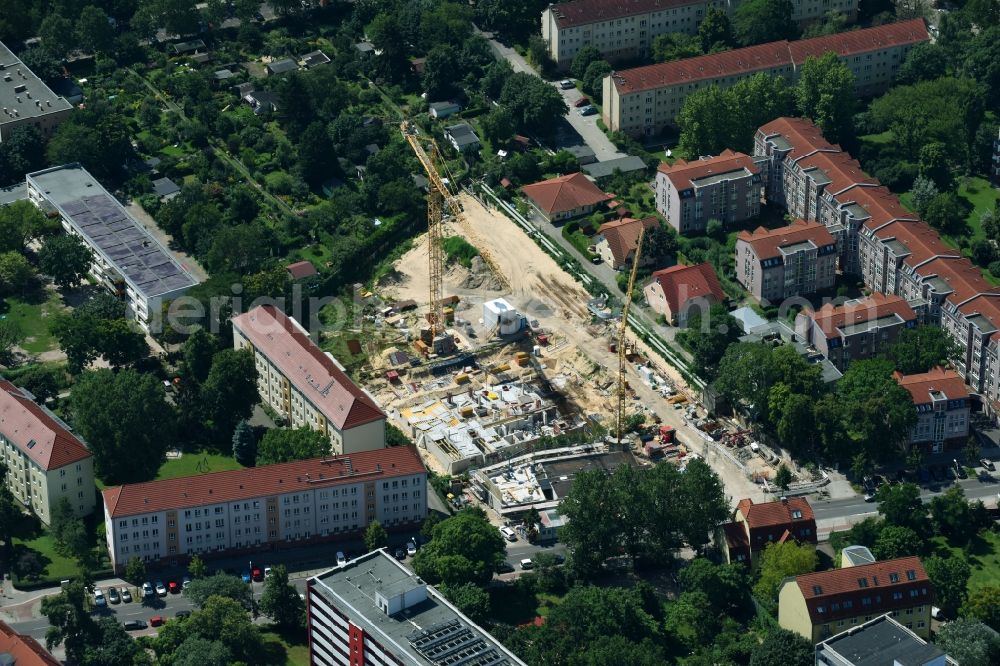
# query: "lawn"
983 558
57 567
33 318
983 197
190 464
578 239
295 653
514 605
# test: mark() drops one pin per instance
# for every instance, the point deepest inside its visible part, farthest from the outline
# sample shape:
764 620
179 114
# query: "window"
862 582
911 574
817 589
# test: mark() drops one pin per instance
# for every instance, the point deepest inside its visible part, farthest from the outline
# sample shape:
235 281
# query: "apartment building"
644 100
775 264
25 100
127 260
941 400
727 187
262 508
373 610
45 461
882 640
858 329
305 384
625 29
754 526
819 605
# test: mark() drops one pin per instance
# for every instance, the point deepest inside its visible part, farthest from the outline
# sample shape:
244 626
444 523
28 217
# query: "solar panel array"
130 248
452 643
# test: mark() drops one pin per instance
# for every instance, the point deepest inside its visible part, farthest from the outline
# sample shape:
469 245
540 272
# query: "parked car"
257 574
596 259
411 548
156 621
526 564
936 613
245 576
134 625
182 613
267 571
566 84
879 481
583 101
505 567
588 110
113 595
173 587
924 474
147 589
161 588
988 464
870 496
126 596
868 483
508 533
185 583
99 600
400 554
341 560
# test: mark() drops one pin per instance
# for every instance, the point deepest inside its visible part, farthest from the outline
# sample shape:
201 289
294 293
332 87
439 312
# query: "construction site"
486 366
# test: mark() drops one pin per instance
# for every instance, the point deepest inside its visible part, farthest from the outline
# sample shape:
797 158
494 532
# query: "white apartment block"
645 100
45 461
625 29
25 100
261 508
306 385
127 260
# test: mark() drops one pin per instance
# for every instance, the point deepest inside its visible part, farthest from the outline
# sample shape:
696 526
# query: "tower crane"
622 329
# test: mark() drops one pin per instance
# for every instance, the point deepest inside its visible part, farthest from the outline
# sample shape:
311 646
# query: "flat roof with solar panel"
402 614
148 267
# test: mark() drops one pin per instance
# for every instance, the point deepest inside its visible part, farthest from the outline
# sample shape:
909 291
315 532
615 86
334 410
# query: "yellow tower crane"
622 329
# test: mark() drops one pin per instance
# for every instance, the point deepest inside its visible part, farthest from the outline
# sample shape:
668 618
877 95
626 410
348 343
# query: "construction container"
462 378
500 315
449 315
503 367
543 339
466 411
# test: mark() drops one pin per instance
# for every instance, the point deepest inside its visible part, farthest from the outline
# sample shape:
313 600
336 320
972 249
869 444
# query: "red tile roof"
681 284
253 482
683 174
307 367
581 12
961 275
853 42
801 133
766 243
565 193
301 269
24 649
920 386
837 585
773 514
842 170
983 305
623 235
879 202
739 62
736 536
829 318
36 432
920 240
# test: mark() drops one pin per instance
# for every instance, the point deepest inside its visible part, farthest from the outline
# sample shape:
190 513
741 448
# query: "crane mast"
622 329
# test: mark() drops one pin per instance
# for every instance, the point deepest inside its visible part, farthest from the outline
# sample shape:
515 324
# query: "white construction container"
500 315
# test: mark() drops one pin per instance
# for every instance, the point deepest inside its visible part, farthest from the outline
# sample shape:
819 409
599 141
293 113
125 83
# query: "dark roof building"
626 164
165 188
283 66
314 59
880 642
25 100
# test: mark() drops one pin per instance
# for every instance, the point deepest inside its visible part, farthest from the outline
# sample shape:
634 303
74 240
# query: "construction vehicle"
622 330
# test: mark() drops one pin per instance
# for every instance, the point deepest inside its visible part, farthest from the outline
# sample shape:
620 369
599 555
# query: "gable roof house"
676 291
301 270
443 109
262 101
564 197
462 137
22 650
283 66
754 526
314 59
616 241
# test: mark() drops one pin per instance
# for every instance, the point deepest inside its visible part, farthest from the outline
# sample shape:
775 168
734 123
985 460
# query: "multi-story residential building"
774 264
127 260
819 605
941 400
305 384
625 29
786 139
374 611
754 526
45 461
973 322
680 291
823 173
878 642
25 100
262 508
22 650
727 187
645 100
859 329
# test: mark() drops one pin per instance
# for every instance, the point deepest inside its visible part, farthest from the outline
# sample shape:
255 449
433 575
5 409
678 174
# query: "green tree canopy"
781 647
917 350
66 259
969 642
901 505
533 103
759 21
825 93
778 562
280 600
220 585
897 541
19 223
465 548
280 445
375 536
950 578
984 605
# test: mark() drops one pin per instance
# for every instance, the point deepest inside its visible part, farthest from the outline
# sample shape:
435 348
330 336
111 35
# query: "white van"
526 564
508 533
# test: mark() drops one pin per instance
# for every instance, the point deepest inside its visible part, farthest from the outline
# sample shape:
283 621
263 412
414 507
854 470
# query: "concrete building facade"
262 508
306 385
45 461
775 264
727 188
880 641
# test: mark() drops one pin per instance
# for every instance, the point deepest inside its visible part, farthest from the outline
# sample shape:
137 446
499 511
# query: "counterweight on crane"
622 329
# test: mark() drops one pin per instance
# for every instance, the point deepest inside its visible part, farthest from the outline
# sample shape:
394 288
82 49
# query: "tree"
923 62
230 391
126 422
778 562
241 249
280 600
19 223
16 274
715 31
984 605
284 445
947 212
226 620
672 46
67 529
901 505
112 646
197 568
465 548
375 536
317 157
783 477
97 137
724 585
12 522
935 164
593 79
66 259
876 413
969 642
922 193
660 244
471 600
707 335
10 337
895 541
56 32
952 516
245 444
950 578
29 565
135 570
430 522
825 93
85 337
199 349
917 350
587 55
759 21
498 125
201 590
70 623
784 648
702 503
94 33
198 651
533 103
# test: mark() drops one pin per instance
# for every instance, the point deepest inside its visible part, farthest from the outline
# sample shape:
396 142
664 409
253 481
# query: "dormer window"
796 514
